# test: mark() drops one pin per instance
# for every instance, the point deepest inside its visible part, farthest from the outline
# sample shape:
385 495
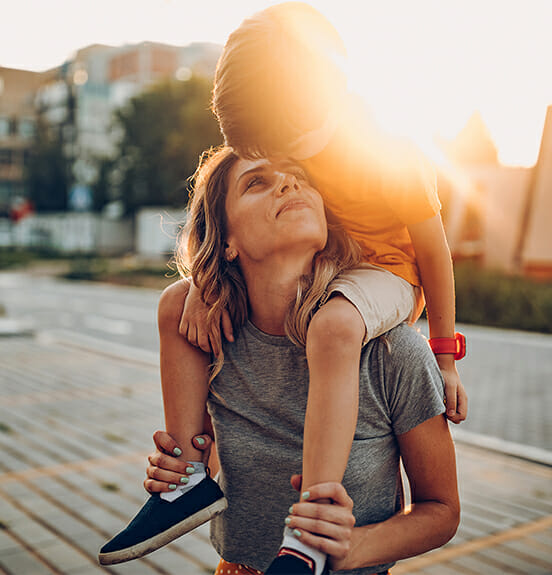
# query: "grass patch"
3 525
114 437
108 486
491 298
5 428
20 257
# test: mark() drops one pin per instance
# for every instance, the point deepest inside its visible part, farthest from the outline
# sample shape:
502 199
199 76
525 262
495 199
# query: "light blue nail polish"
172 486
184 480
297 533
200 440
287 520
190 470
291 509
305 495
177 451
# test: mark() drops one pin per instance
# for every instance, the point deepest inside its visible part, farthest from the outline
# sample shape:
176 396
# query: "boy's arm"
435 265
196 327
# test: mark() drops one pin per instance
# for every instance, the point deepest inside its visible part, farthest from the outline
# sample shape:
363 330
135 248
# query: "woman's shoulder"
402 351
404 341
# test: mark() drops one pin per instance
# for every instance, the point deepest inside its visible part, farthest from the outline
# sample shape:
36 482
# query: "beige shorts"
383 299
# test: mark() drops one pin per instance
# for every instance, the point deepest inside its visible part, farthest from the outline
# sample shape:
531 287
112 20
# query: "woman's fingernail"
305 495
184 480
177 451
190 470
172 486
287 520
200 440
291 509
297 533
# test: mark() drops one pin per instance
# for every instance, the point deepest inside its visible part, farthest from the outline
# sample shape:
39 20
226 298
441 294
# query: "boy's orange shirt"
376 195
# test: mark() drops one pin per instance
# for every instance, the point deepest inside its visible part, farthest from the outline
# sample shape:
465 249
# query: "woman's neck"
271 289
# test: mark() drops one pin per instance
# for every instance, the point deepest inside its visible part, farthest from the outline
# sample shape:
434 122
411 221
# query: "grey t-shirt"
258 409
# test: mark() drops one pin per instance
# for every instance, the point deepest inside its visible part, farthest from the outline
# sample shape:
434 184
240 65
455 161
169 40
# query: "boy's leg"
334 343
365 303
184 379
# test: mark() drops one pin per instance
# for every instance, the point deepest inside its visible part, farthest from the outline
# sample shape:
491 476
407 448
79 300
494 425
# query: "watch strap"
455 345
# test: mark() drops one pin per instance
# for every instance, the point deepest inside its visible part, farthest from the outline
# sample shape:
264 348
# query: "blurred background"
104 113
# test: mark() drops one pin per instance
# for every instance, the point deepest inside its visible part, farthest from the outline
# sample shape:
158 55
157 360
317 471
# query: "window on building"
5 157
26 128
4 126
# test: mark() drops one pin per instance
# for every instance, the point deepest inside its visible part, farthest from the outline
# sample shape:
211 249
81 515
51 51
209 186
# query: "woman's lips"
292 205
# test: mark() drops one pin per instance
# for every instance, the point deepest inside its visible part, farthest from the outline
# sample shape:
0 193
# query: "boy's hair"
279 76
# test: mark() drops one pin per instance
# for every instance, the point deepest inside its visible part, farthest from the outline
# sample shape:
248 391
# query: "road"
508 374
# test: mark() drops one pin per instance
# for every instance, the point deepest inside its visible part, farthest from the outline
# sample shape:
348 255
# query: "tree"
48 169
164 131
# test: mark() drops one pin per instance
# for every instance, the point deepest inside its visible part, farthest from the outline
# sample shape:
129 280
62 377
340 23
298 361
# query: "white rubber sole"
185 526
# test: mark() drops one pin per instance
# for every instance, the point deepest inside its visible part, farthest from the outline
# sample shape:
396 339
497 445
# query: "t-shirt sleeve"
411 189
413 381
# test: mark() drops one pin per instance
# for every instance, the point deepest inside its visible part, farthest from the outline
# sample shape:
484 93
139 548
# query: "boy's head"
279 77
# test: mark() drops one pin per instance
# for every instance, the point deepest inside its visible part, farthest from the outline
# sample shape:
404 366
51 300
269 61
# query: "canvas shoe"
159 522
292 562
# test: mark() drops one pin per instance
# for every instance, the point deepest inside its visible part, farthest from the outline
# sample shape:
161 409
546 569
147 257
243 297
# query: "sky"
424 66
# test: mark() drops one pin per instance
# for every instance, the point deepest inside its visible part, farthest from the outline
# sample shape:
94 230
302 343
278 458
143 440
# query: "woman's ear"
230 254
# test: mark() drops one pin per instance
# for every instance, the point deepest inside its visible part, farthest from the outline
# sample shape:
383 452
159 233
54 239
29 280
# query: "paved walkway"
76 424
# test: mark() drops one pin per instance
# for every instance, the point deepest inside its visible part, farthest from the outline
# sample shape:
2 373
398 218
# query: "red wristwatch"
455 345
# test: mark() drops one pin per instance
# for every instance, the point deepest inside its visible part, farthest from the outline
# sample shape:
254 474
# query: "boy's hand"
196 328
455 394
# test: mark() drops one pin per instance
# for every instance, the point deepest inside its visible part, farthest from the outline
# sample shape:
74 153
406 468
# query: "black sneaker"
159 522
292 562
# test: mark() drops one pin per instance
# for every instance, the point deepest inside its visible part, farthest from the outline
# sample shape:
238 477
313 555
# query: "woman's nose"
288 183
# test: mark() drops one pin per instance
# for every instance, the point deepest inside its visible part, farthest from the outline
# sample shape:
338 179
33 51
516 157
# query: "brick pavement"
76 424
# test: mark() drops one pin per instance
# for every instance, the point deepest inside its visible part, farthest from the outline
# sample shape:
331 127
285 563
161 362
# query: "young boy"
279 90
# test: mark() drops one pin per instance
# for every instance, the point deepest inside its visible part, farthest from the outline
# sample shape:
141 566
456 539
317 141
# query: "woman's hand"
324 526
198 329
165 466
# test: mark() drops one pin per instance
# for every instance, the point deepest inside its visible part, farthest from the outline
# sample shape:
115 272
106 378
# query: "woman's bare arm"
430 463
429 460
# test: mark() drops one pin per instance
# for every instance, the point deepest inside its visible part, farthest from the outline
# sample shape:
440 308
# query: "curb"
518 450
11 327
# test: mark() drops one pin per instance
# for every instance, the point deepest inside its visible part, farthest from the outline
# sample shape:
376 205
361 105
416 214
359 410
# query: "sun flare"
424 68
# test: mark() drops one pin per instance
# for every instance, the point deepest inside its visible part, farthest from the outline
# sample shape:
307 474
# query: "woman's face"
272 209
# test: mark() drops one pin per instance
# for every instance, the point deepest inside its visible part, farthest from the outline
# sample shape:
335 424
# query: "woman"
278 255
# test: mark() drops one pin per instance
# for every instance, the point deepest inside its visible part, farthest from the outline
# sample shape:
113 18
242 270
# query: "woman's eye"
256 181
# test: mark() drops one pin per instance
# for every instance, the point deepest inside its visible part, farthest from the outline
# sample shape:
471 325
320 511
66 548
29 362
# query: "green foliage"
12 258
490 298
5 428
47 174
86 268
108 486
164 131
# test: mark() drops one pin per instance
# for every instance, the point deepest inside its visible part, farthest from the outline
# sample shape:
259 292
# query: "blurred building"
498 214
77 101
17 123
81 96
